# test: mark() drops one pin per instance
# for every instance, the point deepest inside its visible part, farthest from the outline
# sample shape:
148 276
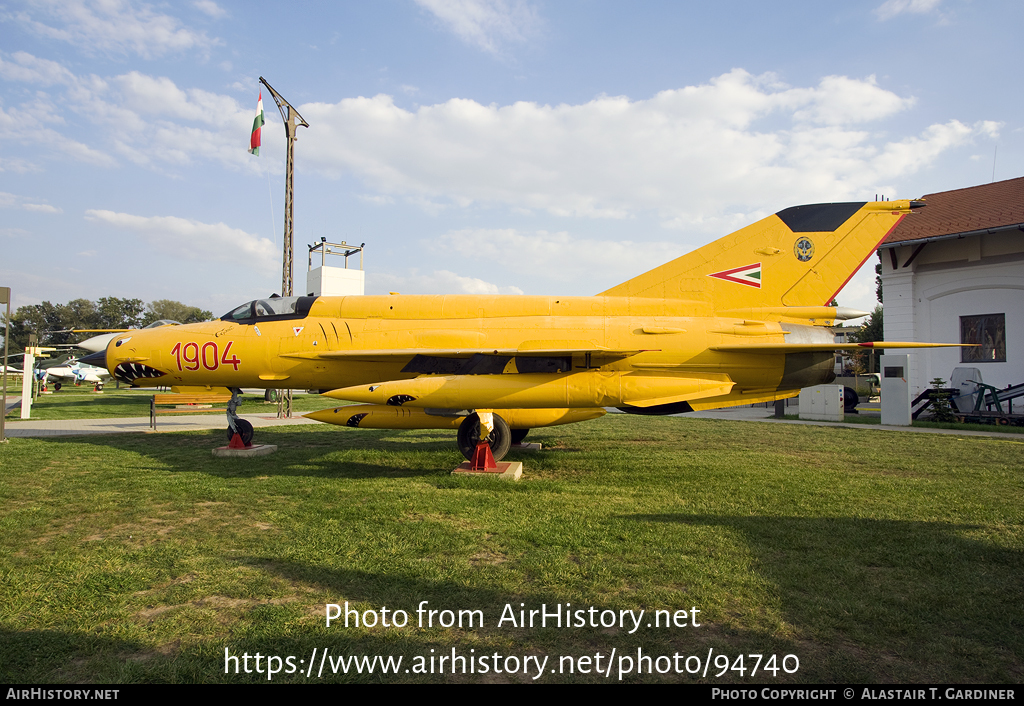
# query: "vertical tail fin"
801 256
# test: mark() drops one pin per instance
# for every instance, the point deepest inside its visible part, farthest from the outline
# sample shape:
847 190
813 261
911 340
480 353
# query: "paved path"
196 422
761 414
182 422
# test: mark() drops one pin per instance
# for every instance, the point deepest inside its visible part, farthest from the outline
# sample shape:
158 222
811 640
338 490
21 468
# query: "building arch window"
987 333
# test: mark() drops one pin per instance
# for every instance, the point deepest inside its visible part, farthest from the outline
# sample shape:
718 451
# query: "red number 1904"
191 357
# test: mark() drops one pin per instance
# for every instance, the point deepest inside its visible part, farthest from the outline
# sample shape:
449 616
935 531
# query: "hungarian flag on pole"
257 124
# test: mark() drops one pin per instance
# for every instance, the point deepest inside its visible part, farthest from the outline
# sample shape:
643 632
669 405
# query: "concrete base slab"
509 470
525 447
257 450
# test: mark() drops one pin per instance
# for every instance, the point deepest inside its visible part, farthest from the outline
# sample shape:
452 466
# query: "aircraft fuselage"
348 341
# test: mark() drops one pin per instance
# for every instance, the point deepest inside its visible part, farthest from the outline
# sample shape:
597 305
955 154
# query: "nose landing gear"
473 432
240 431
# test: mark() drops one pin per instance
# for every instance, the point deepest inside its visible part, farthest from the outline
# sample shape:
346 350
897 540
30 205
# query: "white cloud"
32 69
559 257
840 100
194 240
210 8
14 232
437 282
892 8
699 157
18 165
146 119
486 24
25 125
114 27
689 154
41 208
8 200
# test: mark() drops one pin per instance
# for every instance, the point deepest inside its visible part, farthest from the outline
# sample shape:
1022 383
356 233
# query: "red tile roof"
963 210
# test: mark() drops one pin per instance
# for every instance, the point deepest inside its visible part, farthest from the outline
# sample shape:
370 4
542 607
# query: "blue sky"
475 146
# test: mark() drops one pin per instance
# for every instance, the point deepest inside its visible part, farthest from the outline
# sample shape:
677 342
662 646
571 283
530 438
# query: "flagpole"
292 120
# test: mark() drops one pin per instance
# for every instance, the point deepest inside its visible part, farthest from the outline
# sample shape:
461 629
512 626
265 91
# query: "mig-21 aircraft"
739 321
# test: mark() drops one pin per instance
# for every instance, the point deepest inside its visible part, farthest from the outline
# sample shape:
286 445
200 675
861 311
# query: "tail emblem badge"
804 249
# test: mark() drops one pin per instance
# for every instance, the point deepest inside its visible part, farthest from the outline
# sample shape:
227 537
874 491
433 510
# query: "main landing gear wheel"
518 435
56 386
469 436
244 430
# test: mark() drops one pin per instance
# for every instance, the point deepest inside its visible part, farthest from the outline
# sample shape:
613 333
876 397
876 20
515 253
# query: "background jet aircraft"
76 372
735 322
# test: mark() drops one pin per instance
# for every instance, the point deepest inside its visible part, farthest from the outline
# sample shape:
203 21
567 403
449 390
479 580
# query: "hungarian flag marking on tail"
257 124
749 275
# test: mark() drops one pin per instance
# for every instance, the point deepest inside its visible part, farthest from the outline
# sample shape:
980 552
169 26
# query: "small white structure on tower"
324 280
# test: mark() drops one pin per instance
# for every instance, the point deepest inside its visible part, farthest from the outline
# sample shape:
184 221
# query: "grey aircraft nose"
98 360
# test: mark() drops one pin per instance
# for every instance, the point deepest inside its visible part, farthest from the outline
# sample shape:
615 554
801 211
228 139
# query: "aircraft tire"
518 435
469 436
244 430
56 386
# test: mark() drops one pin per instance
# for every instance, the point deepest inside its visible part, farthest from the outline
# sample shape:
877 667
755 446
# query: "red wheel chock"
482 459
237 443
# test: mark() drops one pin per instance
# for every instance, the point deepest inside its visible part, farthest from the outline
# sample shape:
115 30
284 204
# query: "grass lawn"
130 558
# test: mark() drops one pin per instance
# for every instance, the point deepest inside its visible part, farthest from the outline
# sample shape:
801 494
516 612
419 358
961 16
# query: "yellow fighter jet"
735 322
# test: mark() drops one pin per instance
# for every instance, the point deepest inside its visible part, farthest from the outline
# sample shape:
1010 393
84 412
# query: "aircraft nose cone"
98 360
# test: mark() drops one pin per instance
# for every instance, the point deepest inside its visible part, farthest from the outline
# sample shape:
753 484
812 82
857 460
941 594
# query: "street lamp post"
5 298
292 120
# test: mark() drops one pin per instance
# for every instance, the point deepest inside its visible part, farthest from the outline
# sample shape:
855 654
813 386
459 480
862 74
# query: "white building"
953 271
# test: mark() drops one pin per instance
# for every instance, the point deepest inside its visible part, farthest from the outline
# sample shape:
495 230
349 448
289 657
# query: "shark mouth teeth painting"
130 372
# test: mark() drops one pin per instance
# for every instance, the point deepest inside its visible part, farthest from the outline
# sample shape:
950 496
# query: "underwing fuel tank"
371 416
541 390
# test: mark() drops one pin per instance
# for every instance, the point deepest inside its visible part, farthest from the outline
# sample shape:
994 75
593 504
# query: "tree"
942 411
872 328
871 331
878 277
175 311
119 313
53 323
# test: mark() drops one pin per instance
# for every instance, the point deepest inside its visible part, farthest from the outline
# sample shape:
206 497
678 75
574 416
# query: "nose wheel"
244 430
500 439
237 425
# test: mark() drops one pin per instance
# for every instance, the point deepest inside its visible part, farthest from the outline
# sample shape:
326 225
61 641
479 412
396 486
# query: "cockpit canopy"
272 309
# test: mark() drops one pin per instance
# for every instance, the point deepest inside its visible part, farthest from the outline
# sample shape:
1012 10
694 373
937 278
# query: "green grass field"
869 556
